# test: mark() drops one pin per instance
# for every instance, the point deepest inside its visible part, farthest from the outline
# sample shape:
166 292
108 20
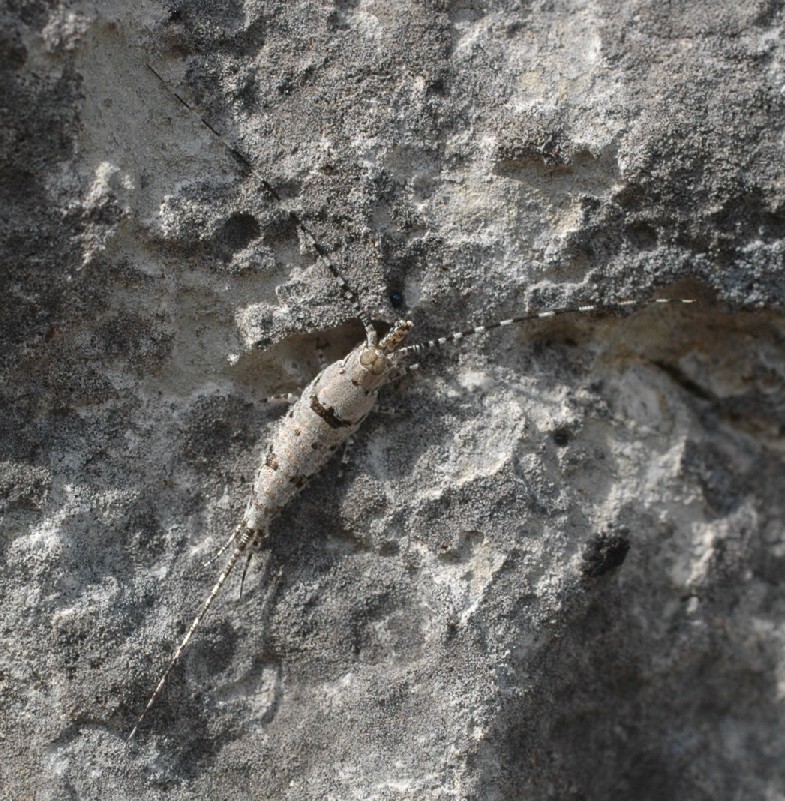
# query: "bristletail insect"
329 411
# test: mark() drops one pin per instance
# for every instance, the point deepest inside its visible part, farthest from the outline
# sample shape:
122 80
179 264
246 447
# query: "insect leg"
347 450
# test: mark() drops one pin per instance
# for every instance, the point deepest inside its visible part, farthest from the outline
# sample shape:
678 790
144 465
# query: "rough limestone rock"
555 569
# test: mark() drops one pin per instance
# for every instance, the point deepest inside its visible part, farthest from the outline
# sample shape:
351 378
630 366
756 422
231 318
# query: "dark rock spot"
603 553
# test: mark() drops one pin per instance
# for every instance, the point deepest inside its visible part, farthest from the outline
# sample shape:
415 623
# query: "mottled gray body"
329 411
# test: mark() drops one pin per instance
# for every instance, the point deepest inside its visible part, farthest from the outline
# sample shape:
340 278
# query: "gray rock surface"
454 618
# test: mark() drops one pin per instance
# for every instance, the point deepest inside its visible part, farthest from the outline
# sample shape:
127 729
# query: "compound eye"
374 360
368 357
380 365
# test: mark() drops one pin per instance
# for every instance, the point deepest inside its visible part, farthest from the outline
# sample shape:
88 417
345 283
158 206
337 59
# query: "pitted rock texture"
555 569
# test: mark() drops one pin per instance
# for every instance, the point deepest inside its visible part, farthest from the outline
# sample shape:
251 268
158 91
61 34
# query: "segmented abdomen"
329 411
